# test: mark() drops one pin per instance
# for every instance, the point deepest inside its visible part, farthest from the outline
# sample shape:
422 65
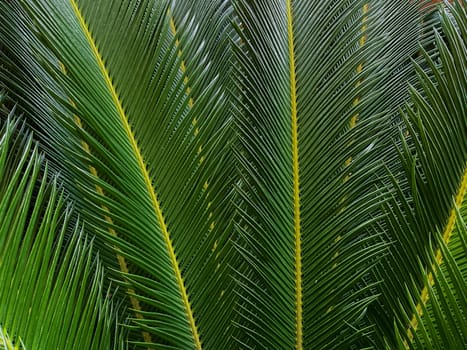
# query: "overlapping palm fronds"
438 315
251 174
140 144
50 286
433 154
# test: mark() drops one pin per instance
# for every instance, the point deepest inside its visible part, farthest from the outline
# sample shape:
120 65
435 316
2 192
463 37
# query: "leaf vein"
149 186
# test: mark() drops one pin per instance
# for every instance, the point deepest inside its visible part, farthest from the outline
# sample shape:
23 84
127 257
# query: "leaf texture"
50 284
309 130
254 175
151 189
433 156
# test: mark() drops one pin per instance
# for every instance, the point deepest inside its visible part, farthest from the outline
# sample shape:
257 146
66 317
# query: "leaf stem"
144 173
296 183
424 296
121 260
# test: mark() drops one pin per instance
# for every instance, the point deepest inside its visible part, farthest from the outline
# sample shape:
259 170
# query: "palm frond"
433 156
140 141
312 131
243 169
438 315
50 284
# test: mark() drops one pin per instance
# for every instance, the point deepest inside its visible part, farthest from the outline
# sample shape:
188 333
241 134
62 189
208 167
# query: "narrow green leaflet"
7 344
50 283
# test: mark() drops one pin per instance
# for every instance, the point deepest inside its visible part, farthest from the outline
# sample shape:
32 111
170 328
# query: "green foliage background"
233 174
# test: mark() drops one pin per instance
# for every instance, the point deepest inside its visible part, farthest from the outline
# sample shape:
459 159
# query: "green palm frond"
140 141
438 315
433 158
50 283
313 118
251 174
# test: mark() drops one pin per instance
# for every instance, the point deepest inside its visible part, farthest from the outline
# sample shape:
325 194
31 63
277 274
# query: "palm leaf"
440 311
140 144
50 286
433 158
312 129
132 102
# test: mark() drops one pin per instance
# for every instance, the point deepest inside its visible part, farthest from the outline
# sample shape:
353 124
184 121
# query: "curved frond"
141 142
438 315
243 169
433 160
50 284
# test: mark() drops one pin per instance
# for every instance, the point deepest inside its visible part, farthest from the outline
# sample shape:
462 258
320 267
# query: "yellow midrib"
182 64
296 184
362 41
144 172
121 260
424 295
355 103
191 103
